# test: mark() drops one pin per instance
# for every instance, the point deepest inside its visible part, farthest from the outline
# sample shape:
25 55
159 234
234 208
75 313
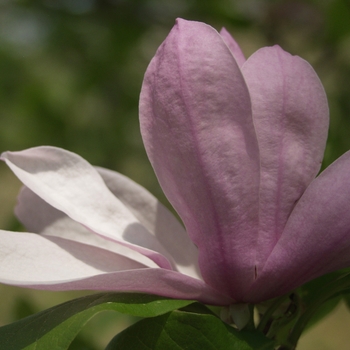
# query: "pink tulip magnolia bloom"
236 145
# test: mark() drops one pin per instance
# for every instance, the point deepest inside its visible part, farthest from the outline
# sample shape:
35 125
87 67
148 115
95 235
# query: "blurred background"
70 76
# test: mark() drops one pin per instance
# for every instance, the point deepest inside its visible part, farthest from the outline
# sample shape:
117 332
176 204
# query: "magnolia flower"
236 145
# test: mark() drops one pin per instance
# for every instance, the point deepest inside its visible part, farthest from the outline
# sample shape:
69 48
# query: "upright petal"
197 128
316 239
290 115
233 46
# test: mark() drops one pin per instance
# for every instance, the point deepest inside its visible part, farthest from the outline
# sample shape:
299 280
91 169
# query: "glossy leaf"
179 330
55 328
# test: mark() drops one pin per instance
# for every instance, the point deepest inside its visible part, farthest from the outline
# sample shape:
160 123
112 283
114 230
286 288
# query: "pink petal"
233 46
51 263
197 128
70 184
290 115
316 239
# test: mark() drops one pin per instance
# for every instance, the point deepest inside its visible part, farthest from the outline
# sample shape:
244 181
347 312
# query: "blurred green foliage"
71 70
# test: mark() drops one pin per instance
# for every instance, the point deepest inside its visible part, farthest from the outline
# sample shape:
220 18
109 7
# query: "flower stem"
268 314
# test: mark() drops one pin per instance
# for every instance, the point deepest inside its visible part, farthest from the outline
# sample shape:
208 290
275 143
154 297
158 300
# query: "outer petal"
65 227
290 115
31 257
36 214
197 128
233 46
39 216
52 263
73 186
157 219
316 239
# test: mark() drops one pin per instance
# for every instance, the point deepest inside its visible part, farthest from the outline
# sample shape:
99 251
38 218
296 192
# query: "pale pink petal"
29 257
162 282
70 184
157 219
51 263
316 239
34 213
290 115
198 131
67 228
39 216
233 46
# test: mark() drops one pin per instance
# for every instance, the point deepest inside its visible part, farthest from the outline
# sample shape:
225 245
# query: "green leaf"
179 330
311 290
323 311
55 328
346 299
314 289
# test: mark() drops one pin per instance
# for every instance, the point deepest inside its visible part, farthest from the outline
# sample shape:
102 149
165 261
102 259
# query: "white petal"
39 217
73 186
31 258
51 263
157 219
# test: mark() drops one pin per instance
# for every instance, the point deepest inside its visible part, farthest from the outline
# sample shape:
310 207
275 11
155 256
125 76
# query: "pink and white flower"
236 145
